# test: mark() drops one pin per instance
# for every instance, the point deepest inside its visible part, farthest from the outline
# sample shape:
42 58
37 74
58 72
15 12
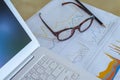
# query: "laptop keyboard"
49 69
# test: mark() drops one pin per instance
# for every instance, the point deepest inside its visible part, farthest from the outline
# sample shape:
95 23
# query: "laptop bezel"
25 52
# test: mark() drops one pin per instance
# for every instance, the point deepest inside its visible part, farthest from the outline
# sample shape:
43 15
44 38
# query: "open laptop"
22 58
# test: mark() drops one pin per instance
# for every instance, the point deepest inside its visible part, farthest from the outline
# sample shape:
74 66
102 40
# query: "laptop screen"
13 38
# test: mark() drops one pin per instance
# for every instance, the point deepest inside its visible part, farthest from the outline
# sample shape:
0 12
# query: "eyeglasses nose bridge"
76 28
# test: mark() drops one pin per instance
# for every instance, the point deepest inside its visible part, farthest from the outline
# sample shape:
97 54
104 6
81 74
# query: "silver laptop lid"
16 40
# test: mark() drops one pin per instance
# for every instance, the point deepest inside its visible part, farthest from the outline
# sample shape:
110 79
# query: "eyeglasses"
67 33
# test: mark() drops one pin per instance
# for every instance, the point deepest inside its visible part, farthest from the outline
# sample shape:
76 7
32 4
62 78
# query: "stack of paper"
90 49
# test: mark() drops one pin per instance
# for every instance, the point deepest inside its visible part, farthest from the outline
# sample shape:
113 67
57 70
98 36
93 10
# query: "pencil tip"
103 25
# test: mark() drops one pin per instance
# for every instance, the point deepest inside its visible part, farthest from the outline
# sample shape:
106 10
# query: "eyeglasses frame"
73 28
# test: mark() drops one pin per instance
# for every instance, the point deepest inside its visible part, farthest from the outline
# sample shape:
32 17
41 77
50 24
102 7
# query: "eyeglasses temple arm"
76 5
46 25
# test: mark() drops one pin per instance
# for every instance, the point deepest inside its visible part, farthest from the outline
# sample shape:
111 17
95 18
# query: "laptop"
22 58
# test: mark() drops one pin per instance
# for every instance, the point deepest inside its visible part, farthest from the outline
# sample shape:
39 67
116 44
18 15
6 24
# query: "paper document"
82 49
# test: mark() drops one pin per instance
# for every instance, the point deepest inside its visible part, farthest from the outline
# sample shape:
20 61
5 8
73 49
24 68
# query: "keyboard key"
42 60
47 63
58 70
32 71
44 76
49 70
51 77
35 76
40 70
53 65
74 76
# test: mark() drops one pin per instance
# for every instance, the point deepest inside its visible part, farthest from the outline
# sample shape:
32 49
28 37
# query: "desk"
29 7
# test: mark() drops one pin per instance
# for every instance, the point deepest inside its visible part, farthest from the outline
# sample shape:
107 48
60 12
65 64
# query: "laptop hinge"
19 68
